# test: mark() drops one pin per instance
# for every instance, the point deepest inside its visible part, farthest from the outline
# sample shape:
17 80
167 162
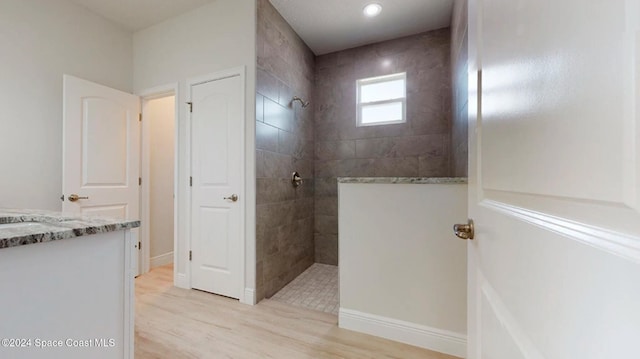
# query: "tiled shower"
417 148
284 144
297 227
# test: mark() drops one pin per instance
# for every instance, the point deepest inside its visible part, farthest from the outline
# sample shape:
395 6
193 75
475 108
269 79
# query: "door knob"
233 197
464 231
74 197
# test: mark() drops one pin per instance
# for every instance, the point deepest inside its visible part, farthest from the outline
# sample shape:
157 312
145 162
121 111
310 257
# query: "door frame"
247 293
145 198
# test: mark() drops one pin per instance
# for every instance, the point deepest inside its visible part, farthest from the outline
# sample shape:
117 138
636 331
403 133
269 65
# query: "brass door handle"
74 197
232 198
464 231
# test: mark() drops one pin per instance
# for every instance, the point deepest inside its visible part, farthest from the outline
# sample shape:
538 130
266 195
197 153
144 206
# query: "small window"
382 100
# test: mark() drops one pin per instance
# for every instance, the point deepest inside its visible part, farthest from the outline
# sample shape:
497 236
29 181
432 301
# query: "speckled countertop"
404 180
20 227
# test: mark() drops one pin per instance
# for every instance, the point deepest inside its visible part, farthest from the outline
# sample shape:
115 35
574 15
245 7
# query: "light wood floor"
175 323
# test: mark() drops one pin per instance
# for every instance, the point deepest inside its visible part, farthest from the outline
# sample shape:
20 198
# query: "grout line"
315 289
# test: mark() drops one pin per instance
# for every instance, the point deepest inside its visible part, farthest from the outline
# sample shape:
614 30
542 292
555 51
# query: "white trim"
474 305
249 296
159 91
620 244
181 280
161 260
438 340
250 195
379 79
156 92
130 252
219 75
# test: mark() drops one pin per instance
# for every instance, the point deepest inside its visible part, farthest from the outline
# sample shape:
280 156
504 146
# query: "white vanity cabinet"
68 298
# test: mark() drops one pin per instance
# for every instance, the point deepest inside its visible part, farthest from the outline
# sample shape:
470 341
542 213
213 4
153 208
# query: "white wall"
402 270
42 40
160 113
215 37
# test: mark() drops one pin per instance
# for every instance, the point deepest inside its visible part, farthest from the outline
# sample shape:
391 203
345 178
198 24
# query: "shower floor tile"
316 289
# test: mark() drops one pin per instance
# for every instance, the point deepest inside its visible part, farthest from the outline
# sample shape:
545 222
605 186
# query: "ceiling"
139 14
333 25
325 25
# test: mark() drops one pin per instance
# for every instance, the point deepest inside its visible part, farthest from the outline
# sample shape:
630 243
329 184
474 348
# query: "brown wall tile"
326 248
274 165
433 166
335 150
266 137
267 85
271 190
326 187
326 224
285 143
305 168
327 206
306 190
396 167
259 108
278 116
419 147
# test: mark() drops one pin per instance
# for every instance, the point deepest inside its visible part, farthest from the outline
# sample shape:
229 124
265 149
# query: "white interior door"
101 150
554 270
216 159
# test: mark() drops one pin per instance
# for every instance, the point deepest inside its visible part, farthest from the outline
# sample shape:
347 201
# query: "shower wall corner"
284 145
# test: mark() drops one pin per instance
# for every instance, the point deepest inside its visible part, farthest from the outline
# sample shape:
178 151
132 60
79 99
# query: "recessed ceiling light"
372 10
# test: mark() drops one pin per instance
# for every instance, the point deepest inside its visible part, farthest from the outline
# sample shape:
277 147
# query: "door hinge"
190 106
190 255
139 245
140 117
190 181
139 181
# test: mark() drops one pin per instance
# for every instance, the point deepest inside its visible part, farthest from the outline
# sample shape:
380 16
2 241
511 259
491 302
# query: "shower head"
302 102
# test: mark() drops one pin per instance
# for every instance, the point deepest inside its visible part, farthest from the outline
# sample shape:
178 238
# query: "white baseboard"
162 260
438 340
249 296
181 281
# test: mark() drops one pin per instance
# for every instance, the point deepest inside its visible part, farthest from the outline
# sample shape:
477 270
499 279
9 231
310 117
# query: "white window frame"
373 80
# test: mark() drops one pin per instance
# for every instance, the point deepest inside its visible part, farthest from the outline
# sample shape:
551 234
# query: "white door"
101 150
554 270
217 191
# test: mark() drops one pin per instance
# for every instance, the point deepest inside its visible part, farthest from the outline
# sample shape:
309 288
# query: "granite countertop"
404 180
20 227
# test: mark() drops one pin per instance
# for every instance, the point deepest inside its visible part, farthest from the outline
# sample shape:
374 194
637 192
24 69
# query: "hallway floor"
316 289
176 323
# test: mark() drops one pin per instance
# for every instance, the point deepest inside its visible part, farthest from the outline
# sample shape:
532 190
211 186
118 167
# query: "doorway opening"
158 181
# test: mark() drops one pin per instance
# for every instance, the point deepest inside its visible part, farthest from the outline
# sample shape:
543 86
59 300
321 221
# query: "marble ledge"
404 180
20 227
